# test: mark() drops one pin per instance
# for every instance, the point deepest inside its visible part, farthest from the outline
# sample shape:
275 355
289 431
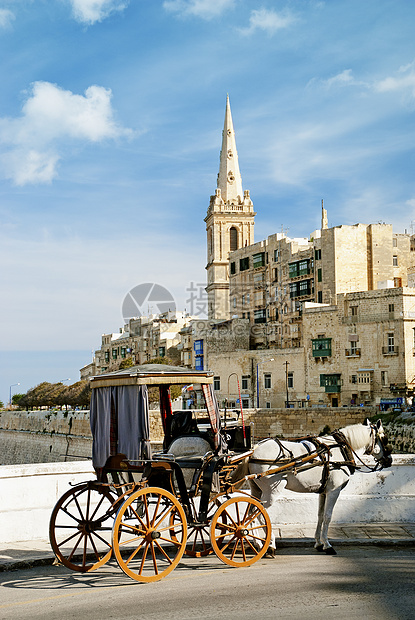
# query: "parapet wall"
29 493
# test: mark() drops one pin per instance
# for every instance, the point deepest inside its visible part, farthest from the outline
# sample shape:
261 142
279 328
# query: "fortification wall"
47 437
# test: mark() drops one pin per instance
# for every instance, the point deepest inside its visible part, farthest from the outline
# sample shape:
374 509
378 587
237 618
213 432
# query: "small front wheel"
149 535
240 531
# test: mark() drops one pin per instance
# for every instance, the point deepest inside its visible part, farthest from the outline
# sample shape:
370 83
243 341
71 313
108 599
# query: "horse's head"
378 446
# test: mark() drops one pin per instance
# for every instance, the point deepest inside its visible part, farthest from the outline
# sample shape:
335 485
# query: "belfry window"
233 239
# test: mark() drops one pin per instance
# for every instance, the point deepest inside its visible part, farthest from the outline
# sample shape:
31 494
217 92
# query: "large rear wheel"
149 534
80 527
240 531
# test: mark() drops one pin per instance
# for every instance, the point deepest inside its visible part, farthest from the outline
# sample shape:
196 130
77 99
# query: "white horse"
327 475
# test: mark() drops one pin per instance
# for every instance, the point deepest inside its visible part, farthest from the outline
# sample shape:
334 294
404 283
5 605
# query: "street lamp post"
10 401
257 379
287 403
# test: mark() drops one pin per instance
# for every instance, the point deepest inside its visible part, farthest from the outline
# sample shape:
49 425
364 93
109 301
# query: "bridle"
385 460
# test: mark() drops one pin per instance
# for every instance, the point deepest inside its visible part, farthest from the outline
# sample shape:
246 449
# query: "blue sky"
111 114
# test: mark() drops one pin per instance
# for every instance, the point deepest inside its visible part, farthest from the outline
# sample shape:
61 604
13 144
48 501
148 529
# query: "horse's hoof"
270 554
330 551
319 548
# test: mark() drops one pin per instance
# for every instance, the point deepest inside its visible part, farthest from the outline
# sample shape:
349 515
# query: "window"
353 347
162 351
244 263
107 356
353 379
391 342
395 242
353 310
290 379
276 274
233 239
258 260
317 254
114 354
245 382
260 316
199 363
276 255
384 377
319 275
320 297
267 381
268 405
331 383
321 347
391 307
198 347
123 352
216 383
233 268
234 302
395 261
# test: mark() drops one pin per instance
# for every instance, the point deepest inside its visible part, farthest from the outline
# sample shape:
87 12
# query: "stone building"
141 339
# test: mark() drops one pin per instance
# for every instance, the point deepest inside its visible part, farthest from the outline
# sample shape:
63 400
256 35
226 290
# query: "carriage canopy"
119 414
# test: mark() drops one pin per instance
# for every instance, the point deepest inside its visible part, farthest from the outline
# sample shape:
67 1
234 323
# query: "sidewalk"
28 554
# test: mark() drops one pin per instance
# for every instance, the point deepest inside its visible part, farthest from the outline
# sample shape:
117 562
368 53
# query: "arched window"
233 239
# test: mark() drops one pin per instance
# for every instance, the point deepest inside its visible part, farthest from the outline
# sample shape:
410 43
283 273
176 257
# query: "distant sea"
29 368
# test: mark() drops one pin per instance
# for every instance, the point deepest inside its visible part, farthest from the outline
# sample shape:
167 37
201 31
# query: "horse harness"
316 449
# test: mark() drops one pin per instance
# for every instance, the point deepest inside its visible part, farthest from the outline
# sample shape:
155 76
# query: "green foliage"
57 395
16 398
1 404
127 363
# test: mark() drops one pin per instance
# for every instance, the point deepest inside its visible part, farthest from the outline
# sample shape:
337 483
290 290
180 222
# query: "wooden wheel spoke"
163 552
164 514
136 550
65 510
153 557
101 539
155 511
76 547
63 542
251 545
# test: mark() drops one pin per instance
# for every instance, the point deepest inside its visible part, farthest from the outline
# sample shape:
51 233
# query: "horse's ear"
367 422
379 424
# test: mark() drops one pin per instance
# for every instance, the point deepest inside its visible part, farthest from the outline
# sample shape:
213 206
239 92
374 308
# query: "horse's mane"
356 435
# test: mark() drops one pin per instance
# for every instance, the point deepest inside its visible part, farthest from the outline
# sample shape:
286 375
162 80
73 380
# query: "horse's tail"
237 477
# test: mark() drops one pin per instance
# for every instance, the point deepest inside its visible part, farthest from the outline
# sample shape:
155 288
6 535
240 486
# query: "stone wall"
46 437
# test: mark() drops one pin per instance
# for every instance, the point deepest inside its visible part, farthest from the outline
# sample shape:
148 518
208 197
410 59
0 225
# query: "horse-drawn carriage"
151 509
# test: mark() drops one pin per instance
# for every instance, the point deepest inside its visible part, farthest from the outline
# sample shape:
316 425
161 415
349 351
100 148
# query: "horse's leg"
321 504
330 500
266 493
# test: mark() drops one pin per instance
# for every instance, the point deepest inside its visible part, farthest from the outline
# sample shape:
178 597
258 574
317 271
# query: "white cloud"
91 11
403 82
206 9
50 118
6 18
268 21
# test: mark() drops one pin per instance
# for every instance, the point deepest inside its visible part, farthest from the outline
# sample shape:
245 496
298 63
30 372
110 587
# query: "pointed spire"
229 177
324 220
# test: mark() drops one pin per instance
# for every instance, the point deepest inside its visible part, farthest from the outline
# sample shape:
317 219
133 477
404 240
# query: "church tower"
229 223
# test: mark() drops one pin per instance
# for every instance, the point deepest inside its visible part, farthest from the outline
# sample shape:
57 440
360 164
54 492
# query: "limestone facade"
358 352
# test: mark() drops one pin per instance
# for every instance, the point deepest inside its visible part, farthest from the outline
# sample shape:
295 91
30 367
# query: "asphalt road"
361 583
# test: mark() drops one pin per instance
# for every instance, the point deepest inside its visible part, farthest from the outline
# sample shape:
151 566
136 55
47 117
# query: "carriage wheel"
198 534
240 531
149 534
80 527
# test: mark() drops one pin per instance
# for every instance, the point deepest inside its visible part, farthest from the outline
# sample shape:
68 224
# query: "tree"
1 404
16 398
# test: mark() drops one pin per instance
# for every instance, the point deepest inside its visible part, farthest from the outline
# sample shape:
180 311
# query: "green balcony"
321 347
